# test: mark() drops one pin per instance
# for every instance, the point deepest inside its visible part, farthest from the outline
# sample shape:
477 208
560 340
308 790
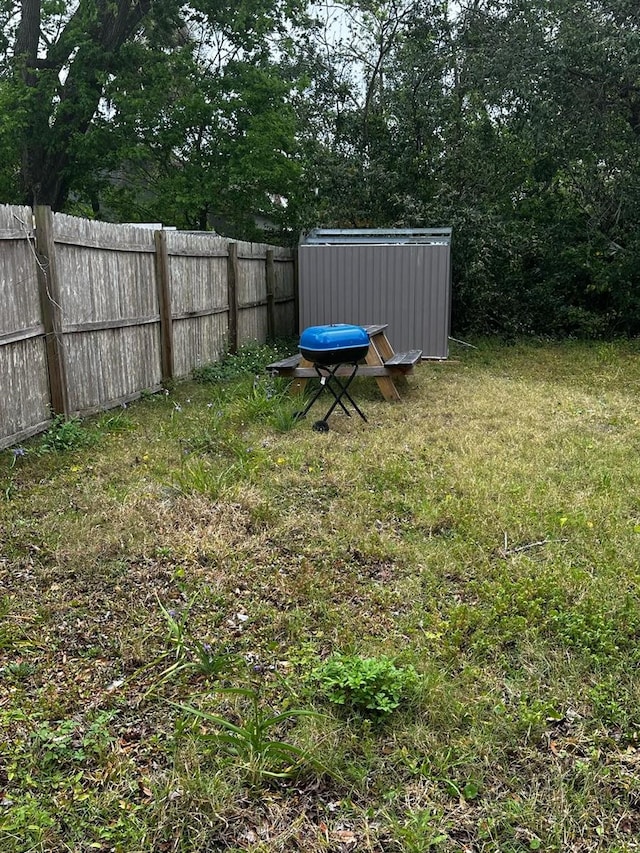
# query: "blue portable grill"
330 348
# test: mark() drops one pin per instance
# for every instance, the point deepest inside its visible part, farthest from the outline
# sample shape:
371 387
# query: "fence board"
24 404
100 284
198 341
198 273
20 300
285 307
51 308
107 279
24 384
252 292
252 287
113 365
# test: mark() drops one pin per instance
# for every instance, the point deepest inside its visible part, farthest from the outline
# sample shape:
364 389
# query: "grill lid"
335 343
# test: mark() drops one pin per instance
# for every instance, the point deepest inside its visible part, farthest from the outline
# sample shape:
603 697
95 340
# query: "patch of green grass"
203 550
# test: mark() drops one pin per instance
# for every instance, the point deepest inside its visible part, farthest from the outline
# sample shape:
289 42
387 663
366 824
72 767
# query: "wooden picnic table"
381 363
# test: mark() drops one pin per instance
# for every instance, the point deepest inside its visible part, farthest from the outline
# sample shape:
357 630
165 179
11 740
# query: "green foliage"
113 422
189 655
259 399
199 476
14 672
65 434
419 830
515 123
11 117
67 743
214 151
251 743
498 554
198 122
540 182
365 685
596 627
54 773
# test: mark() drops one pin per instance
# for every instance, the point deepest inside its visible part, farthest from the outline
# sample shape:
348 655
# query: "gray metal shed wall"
406 286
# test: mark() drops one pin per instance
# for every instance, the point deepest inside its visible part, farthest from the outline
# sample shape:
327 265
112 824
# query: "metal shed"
399 276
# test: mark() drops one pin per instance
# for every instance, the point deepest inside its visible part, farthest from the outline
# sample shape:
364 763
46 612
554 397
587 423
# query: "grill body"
339 343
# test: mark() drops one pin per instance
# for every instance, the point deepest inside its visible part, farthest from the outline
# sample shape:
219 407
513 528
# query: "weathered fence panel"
199 299
285 293
93 313
110 312
252 292
24 385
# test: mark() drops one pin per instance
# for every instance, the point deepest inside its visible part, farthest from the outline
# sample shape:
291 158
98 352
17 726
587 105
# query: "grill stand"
332 383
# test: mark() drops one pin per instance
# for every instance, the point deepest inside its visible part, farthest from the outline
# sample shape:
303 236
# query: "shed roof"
376 236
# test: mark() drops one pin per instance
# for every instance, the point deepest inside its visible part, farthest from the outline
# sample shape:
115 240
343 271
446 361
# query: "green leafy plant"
229 447
468 790
114 422
264 399
189 655
68 742
65 434
19 671
365 684
251 742
418 830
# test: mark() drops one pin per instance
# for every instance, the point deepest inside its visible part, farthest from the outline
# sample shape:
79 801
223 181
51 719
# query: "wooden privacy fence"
92 314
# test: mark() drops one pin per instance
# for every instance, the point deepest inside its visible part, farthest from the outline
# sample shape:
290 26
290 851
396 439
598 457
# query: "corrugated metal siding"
406 286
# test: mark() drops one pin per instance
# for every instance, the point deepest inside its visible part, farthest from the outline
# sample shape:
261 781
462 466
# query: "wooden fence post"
232 296
164 303
49 289
271 287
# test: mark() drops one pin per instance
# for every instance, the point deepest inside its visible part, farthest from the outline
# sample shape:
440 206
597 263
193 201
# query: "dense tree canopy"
136 109
515 121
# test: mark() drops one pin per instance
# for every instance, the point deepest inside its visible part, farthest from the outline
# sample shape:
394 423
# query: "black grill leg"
331 382
341 390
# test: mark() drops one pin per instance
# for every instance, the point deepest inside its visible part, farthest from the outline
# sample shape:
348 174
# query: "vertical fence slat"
296 292
270 273
164 302
51 309
232 291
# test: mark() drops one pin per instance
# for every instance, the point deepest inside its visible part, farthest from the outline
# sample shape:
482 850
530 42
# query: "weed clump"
365 685
65 434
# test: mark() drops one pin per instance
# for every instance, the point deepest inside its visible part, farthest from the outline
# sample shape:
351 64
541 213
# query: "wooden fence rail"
92 314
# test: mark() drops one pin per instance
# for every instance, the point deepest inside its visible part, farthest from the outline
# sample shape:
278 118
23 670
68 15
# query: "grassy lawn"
452 589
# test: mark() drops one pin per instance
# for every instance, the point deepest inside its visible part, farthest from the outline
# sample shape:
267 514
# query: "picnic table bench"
380 363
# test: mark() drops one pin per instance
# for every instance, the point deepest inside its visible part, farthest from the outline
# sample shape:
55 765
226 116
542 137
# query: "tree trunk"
27 38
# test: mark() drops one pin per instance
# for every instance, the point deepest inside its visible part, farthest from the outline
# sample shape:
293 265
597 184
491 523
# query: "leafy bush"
365 684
